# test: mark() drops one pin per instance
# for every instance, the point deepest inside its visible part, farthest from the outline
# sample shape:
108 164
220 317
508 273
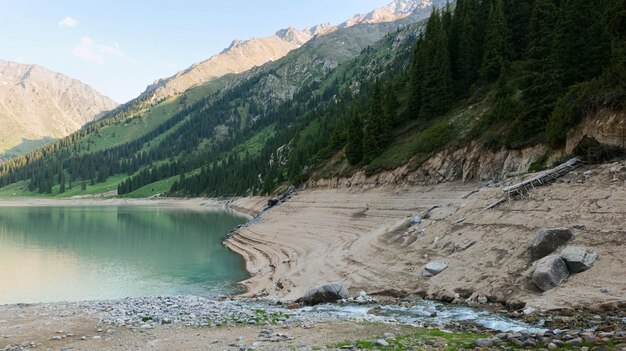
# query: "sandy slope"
326 235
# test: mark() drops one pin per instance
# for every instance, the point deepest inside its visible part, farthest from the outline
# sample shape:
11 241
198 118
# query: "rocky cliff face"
36 103
476 163
243 55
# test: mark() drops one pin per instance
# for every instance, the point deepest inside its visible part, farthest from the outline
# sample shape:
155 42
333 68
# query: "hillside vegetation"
509 73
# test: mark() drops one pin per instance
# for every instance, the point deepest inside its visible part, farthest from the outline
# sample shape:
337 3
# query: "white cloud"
89 50
68 22
85 50
112 49
87 41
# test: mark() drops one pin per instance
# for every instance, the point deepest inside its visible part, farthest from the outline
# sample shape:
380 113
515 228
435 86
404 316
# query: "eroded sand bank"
327 235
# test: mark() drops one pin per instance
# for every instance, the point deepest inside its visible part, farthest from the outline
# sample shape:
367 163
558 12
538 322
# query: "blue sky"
121 46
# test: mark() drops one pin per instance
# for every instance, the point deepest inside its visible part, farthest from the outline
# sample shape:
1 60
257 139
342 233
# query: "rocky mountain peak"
294 35
396 10
242 55
37 103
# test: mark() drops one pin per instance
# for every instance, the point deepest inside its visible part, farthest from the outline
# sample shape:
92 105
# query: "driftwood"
543 178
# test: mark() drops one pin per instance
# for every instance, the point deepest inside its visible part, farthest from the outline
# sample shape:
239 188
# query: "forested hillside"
511 73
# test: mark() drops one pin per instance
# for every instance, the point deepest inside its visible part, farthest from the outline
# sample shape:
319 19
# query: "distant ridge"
243 55
38 104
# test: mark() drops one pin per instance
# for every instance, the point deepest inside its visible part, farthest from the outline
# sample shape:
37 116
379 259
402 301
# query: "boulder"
547 240
578 259
434 268
550 271
326 293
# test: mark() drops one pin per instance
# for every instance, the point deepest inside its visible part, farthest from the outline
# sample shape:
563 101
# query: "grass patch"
255 144
152 189
130 129
418 143
20 189
420 339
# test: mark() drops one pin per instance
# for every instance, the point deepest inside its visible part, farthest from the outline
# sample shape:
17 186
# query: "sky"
121 46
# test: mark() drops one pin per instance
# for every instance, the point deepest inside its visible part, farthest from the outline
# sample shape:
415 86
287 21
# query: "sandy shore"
327 235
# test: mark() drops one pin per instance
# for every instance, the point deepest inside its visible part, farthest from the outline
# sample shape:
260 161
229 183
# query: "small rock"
97 337
56 337
605 291
552 346
482 300
381 342
529 344
574 342
388 336
435 267
416 220
166 320
484 343
549 272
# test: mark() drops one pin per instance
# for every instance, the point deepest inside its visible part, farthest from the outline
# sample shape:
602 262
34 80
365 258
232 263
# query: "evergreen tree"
581 44
416 79
354 147
496 49
541 84
517 13
466 51
437 80
377 126
615 17
62 182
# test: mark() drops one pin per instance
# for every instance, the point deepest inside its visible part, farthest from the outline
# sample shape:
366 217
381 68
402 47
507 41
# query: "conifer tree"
354 147
496 49
377 126
517 13
615 16
466 52
416 79
581 44
541 86
437 79
61 182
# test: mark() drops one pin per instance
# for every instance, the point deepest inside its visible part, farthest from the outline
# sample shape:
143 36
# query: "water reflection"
79 253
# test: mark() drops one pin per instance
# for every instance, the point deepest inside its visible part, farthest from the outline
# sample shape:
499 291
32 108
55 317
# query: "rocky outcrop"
467 164
607 127
547 240
326 293
578 259
550 271
36 103
396 10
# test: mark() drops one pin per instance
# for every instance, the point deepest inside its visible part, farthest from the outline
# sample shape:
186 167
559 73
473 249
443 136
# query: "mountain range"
37 105
243 55
367 98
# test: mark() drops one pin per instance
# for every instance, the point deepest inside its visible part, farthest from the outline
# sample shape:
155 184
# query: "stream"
442 314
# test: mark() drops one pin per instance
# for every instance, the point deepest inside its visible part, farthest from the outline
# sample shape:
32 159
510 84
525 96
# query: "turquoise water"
50 254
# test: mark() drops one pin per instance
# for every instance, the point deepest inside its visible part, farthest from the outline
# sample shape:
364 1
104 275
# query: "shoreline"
363 239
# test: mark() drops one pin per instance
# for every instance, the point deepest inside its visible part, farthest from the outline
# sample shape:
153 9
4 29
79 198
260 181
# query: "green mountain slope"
204 120
371 97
